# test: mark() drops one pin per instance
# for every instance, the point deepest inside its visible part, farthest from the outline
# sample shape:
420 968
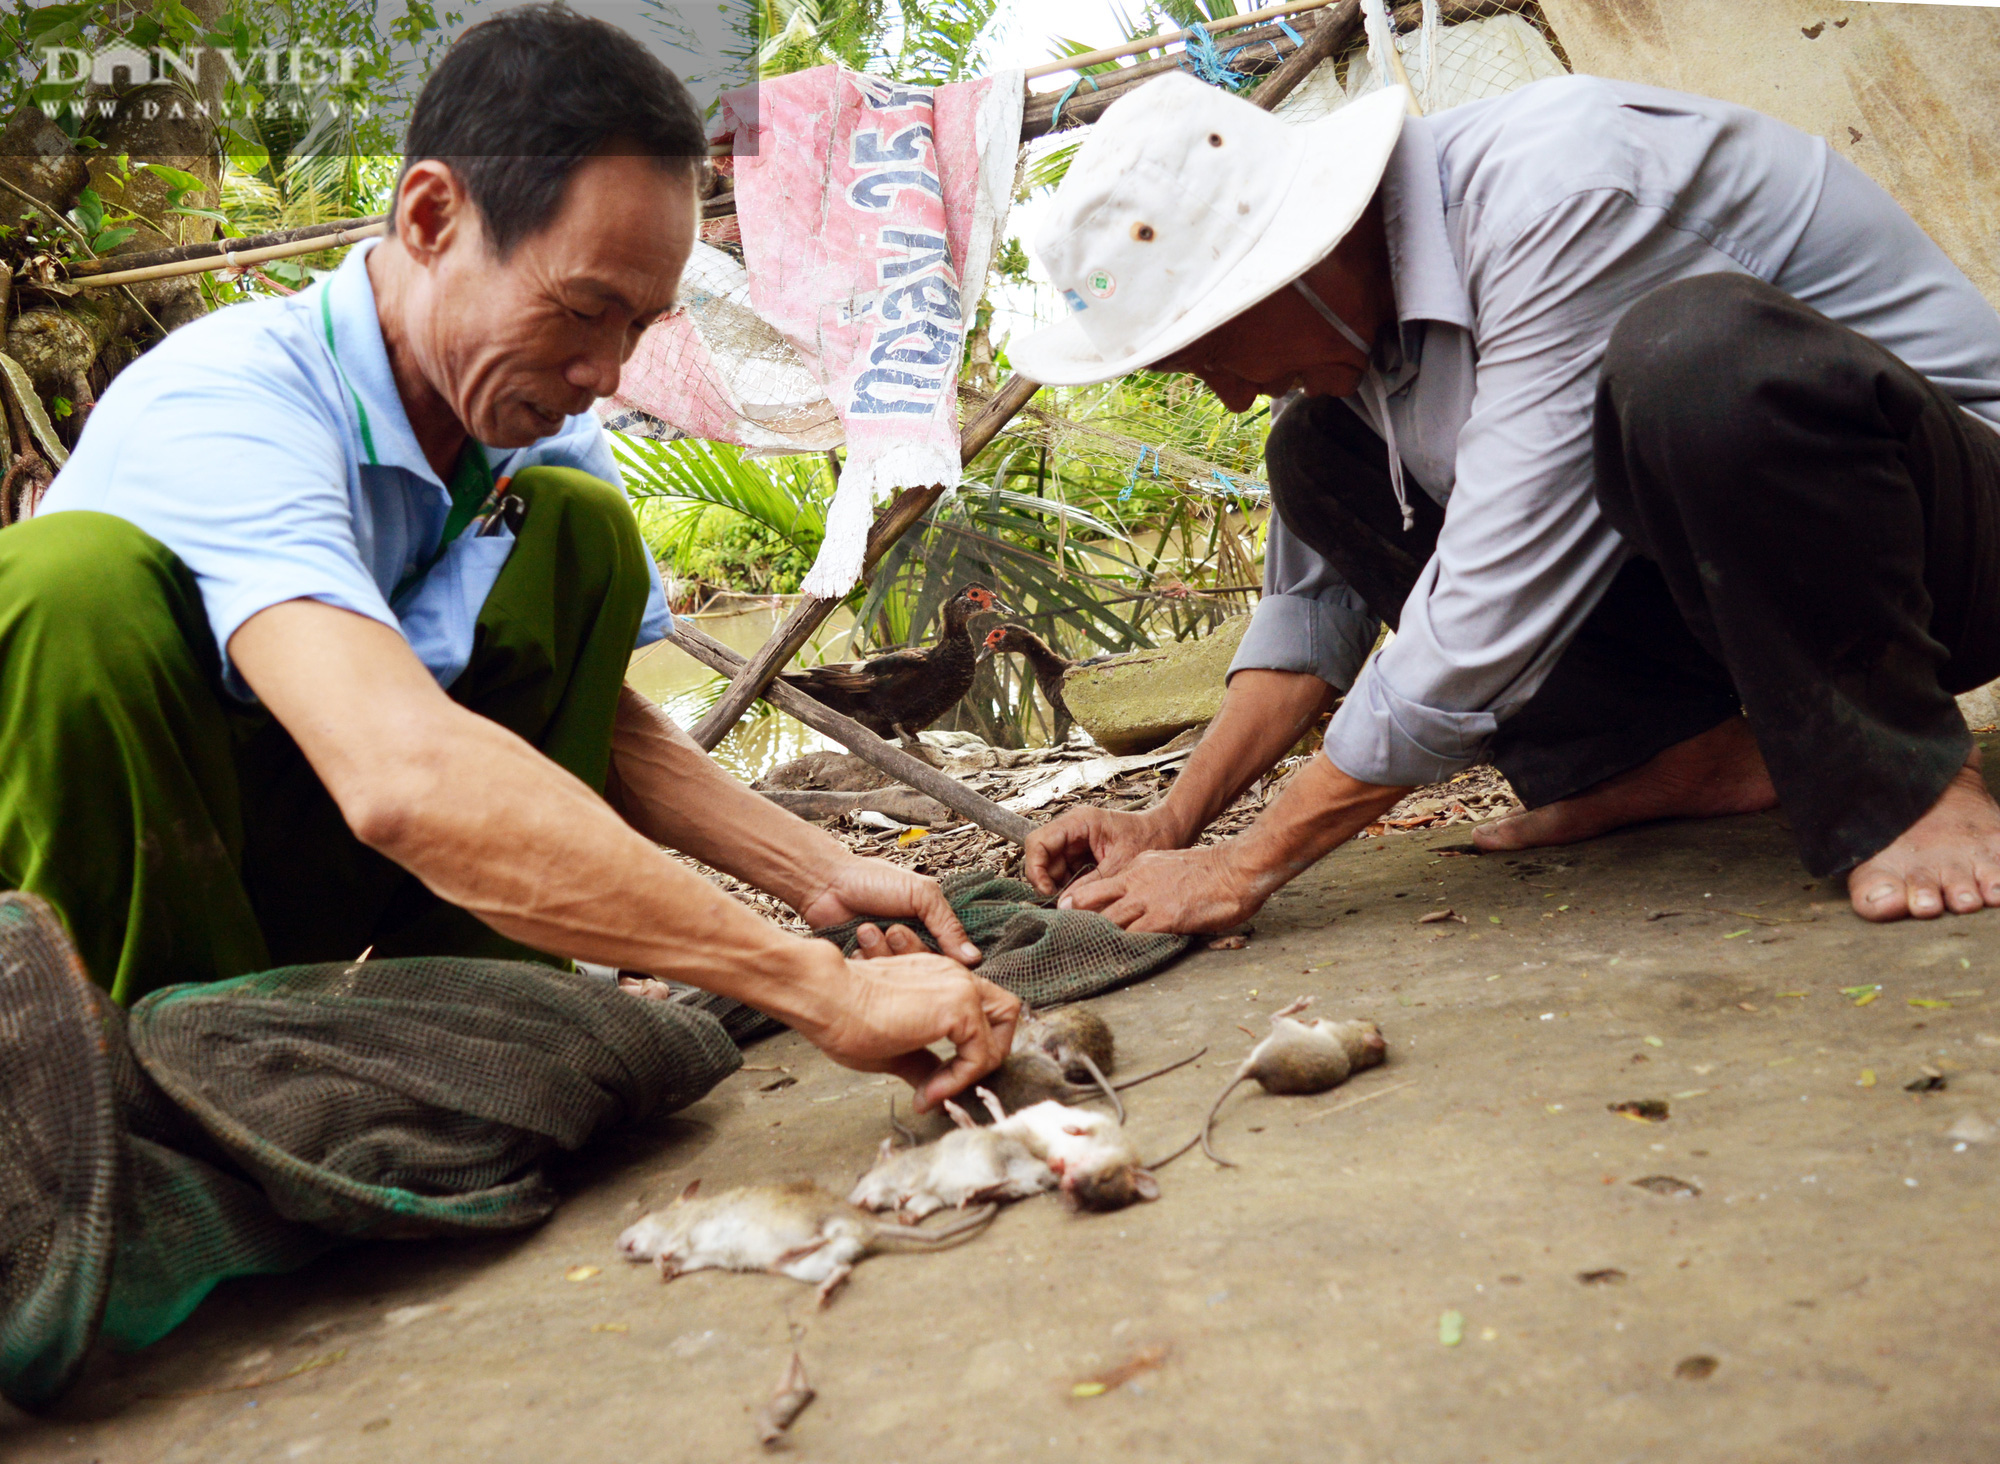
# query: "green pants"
182 835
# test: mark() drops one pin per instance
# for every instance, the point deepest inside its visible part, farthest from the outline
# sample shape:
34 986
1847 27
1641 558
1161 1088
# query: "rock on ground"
1137 702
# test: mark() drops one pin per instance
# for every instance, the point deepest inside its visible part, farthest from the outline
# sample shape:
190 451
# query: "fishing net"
1043 955
244 1127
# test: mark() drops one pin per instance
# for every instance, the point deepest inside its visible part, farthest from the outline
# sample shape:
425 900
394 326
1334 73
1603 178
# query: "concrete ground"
1447 1260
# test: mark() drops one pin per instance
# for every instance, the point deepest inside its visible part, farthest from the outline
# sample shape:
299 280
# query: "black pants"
1817 537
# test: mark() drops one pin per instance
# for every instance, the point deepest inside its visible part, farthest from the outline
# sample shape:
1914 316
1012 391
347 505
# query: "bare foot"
1717 773
1947 860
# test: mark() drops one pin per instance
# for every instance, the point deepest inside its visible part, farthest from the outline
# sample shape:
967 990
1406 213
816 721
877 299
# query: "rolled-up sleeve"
1309 619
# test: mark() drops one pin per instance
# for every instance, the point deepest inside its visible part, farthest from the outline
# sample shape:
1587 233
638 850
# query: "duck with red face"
1048 665
901 693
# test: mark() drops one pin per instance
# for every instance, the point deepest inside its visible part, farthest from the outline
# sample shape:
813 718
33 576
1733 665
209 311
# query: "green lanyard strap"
473 489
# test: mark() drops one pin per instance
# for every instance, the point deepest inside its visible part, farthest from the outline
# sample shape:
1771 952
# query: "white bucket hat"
1186 206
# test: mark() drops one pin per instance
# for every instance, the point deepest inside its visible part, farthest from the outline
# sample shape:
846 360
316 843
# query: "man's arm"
1212 889
675 794
490 825
1263 714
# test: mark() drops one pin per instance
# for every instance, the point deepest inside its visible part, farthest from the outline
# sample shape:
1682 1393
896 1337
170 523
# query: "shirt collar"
347 308
1428 284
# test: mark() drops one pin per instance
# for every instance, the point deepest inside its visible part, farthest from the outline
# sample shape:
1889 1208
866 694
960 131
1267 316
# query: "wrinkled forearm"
491 825
1263 714
1321 809
496 828
675 794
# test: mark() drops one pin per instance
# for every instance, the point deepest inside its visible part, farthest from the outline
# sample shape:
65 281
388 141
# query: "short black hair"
519 100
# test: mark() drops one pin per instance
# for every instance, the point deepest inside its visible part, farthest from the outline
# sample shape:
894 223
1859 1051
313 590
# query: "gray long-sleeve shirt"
1520 230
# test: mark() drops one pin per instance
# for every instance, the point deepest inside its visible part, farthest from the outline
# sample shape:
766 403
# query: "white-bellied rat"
1046 1145
796 1230
1297 1057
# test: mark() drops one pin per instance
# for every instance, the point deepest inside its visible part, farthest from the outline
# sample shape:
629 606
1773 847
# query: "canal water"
687 689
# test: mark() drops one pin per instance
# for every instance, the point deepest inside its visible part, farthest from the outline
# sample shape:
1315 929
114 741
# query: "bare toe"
1987 881
1925 902
1961 893
1877 895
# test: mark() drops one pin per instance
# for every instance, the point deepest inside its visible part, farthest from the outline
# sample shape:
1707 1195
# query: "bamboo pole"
1154 43
864 744
890 525
232 258
1336 28
217 248
1086 103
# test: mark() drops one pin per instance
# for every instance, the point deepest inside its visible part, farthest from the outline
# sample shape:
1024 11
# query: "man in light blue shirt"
1670 448
317 644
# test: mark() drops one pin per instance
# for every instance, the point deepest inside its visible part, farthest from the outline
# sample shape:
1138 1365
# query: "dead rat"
796 1230
967 1166
1046 1145
1030 1076
1076 1037
1064 1057
1297 1057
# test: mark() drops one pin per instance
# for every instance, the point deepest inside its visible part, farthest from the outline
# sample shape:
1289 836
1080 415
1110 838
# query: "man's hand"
886 1013
1197 890
1184 890
1059 848
857 887
1263 713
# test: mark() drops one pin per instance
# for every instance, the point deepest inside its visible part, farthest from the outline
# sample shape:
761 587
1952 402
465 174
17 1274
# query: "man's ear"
433 211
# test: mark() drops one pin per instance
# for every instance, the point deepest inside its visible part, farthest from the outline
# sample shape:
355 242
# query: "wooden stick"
858 740
1153 43
216 248
1106 87
233 259
1086 105
1335 29
810 613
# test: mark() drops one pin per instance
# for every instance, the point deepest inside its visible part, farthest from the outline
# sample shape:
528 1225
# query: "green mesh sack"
418 1097
252 1124
1043 955
60 1151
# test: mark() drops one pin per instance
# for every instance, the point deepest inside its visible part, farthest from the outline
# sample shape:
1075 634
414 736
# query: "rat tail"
1209 1124
1158 1072
1104 1085
937 1237
1201 1137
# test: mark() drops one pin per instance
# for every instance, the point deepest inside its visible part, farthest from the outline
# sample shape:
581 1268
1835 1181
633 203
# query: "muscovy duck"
903 692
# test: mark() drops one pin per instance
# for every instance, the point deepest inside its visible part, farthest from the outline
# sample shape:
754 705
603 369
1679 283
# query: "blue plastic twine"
1138 465
1055 113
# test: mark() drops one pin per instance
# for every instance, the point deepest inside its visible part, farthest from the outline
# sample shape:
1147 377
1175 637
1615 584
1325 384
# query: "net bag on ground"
251 1124
418 1097
1042 955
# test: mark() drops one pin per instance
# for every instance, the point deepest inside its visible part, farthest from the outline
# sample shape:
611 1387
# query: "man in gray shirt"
1670 449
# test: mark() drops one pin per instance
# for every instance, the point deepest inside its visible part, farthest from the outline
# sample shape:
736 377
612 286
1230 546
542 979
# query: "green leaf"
186 182
89 211
1451 1329
60 406
110 239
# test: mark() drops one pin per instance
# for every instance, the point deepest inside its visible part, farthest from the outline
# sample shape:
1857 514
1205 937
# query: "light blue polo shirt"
279 469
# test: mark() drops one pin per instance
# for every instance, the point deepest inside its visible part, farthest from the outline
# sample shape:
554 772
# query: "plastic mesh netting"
250 1124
